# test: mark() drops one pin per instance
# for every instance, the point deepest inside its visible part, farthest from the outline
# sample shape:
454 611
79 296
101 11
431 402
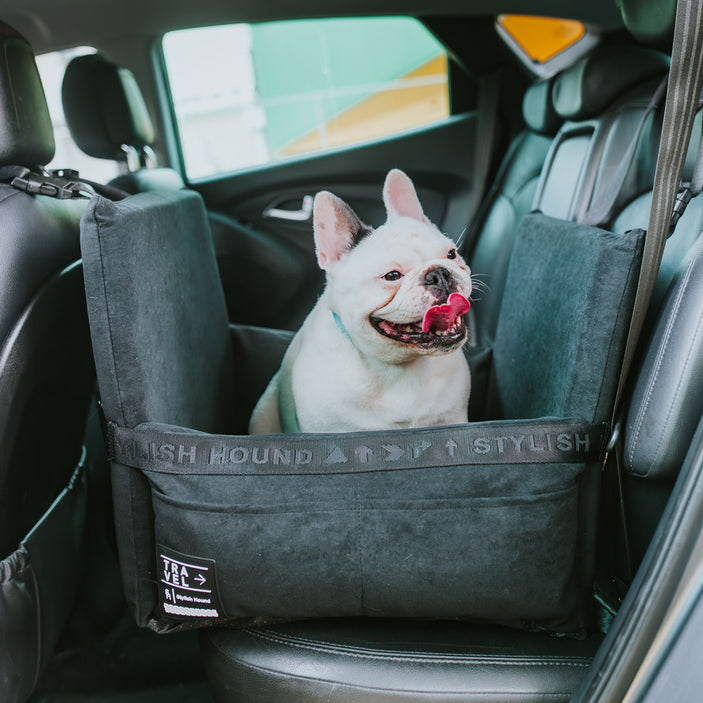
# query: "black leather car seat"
373 661
46 383
108 119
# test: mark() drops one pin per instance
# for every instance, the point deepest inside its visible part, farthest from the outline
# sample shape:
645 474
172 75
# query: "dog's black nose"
440 281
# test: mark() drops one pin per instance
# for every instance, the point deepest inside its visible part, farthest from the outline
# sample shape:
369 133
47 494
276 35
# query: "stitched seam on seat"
422 657
675 396
9 195
658 365
505 695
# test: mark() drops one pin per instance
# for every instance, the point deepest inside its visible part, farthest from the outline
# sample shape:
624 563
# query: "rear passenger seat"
602 98
597 101
381 660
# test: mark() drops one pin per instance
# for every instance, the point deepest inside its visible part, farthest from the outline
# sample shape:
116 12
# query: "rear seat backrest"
589 96
554 168
665 401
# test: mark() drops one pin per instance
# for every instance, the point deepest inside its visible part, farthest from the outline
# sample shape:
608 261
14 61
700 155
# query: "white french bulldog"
381 349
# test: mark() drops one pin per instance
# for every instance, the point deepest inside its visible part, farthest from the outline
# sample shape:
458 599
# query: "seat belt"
668 201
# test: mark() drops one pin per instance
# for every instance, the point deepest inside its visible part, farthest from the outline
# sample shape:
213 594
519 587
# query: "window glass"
251 94
51 69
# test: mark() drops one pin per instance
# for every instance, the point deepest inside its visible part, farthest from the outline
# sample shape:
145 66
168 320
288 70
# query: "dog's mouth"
442 326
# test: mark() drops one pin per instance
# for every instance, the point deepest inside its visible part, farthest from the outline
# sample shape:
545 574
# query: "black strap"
165 449
62 184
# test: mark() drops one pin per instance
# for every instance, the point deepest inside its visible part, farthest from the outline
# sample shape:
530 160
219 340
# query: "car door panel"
263 233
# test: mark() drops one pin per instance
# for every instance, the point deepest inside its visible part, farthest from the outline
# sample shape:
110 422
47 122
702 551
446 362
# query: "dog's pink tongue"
440 318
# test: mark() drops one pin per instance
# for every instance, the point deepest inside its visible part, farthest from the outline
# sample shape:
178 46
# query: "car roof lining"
51 25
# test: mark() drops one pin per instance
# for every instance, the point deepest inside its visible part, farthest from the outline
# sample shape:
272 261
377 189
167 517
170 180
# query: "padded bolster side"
26 132
157 313
667 400
593 83
538 108
104 107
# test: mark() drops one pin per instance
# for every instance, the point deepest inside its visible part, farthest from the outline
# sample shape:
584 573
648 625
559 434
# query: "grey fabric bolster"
171 450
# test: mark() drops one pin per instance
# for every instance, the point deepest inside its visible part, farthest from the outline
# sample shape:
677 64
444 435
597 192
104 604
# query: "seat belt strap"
684 86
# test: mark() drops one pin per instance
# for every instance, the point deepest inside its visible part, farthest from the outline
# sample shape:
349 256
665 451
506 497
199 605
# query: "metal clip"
612 442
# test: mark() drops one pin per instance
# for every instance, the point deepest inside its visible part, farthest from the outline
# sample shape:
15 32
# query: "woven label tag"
187 586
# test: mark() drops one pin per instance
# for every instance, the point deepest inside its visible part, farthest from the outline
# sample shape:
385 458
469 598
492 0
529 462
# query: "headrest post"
131 153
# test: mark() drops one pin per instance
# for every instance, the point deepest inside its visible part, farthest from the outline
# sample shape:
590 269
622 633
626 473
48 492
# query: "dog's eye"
451 254
393 275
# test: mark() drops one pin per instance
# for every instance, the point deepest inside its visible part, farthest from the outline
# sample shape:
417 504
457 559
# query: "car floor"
124 664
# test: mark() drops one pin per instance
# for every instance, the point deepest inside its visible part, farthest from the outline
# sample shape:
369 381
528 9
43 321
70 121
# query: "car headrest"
538 108
104 108
649 21
593 83
26 132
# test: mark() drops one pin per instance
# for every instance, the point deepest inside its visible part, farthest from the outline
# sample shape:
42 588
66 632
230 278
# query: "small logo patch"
187 586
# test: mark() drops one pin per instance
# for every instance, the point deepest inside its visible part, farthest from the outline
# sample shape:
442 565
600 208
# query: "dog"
381 349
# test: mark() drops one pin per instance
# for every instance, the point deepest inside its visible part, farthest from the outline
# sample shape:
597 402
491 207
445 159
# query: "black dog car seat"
381 519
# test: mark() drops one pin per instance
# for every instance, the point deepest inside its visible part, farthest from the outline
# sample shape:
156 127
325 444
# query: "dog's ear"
336 227
400 198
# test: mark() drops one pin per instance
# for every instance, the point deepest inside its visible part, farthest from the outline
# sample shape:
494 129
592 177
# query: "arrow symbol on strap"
451 446
200 579
336 456
394 452
420 448
363 453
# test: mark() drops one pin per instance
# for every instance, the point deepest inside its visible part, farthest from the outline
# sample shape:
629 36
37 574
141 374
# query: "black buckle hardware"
53 185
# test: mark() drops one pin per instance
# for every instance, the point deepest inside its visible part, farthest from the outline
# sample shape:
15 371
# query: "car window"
51 69
250 94
545 45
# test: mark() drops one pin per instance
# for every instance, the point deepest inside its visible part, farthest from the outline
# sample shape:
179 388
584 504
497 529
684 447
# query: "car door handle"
302 215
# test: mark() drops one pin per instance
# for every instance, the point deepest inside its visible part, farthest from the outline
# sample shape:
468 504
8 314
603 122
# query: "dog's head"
399 290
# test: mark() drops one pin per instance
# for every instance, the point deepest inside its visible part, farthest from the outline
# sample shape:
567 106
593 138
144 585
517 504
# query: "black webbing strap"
684 87
165 449
62 184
